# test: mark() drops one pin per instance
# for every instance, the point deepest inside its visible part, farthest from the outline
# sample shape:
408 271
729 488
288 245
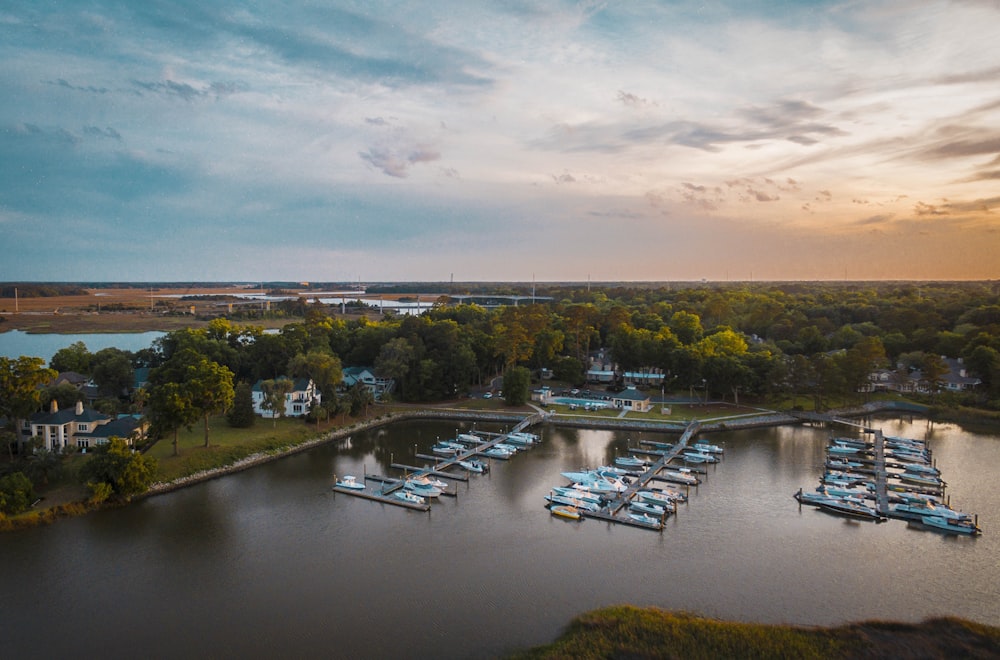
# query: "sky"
510 140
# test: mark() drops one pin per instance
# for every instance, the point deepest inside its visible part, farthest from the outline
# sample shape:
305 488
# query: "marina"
886 478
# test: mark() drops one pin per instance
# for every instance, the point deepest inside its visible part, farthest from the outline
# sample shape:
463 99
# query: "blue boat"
631 462
473 465
350 483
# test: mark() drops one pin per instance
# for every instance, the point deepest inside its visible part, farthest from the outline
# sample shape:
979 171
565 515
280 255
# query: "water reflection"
212 568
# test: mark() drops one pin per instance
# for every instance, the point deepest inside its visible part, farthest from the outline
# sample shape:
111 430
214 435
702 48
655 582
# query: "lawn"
228 445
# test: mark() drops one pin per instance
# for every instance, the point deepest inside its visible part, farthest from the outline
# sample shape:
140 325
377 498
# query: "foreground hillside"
633 632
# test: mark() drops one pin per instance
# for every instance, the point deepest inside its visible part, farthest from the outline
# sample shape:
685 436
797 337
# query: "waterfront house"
298 402
70 427
377 385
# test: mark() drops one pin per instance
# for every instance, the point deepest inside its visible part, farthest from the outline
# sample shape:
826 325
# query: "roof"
122 427
298 384
630 395
357 371
71 377
67 416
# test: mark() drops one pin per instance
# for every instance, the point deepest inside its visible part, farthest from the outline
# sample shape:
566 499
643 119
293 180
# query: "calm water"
16 343
271 562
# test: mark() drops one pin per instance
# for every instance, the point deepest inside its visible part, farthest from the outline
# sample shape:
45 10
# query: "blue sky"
499 141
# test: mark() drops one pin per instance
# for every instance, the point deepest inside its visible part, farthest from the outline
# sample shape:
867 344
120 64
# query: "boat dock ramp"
885 478
468 450
620 508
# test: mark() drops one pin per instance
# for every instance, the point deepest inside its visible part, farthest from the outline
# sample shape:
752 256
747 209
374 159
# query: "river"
15 343
270 562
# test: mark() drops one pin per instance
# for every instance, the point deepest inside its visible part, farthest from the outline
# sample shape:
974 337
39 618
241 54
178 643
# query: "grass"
228 445
633 632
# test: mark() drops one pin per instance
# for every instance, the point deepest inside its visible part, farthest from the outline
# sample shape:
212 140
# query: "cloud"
107 132
874 220
923 209
396 163
565 177
631 100
187 91
90 89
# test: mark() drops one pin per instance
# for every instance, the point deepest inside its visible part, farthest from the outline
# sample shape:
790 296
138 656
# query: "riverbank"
398 413
633 632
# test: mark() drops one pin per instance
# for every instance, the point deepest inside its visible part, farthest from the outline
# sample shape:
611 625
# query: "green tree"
128 472
112 371
21 382
516 386
64 394
323 367
210 388
359 397
74 357
171 408
241 414
275 392
16 493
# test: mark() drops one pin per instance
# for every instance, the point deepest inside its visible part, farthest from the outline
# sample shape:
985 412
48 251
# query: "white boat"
705 448
649 509
698 457
646 520
924 508
922 479
445 448
554 498
351 483
953 526
658 499
473 465
678 476
631 462
421 488
844 450
409 497
578 494
522 438
469 437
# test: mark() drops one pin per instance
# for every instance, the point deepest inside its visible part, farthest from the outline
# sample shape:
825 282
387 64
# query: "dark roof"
630 395
298 384
122 427
70 377
68 415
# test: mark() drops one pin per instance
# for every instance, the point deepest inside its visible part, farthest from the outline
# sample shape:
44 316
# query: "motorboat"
469 437
646 520
851 509
706 448
445 448
940 523
350 482
681 477
698 457
497 452
923 469
579 494
923 509
555 498
566 511
841 464
631 462
421 488
843 450
672 493
649 509
522 438
657 499
510 449
473 465
410 498
920 478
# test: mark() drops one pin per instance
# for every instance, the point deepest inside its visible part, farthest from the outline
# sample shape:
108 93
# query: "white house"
298 402
366 376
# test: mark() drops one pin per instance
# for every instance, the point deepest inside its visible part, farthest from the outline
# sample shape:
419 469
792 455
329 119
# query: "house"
542 395
72 427
366 376
130 428
632 399
298 402
958 378
603 370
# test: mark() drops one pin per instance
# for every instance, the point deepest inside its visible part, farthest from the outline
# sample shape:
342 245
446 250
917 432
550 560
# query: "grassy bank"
633 632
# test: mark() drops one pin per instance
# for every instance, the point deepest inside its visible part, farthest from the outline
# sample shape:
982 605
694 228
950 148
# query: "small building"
542 395
298 402
631 399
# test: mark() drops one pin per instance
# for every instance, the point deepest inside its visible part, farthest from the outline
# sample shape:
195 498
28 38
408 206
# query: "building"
631 399
298 402
367 377
72 427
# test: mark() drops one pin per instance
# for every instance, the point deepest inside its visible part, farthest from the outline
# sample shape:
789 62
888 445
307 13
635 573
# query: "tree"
128 472
171 408
16 493
210 388
360 397
275 391
323 367
64 394
516 386
394 359
21 381
112 372
241 415
74 357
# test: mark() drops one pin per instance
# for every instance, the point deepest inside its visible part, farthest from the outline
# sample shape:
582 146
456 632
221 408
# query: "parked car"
488 395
